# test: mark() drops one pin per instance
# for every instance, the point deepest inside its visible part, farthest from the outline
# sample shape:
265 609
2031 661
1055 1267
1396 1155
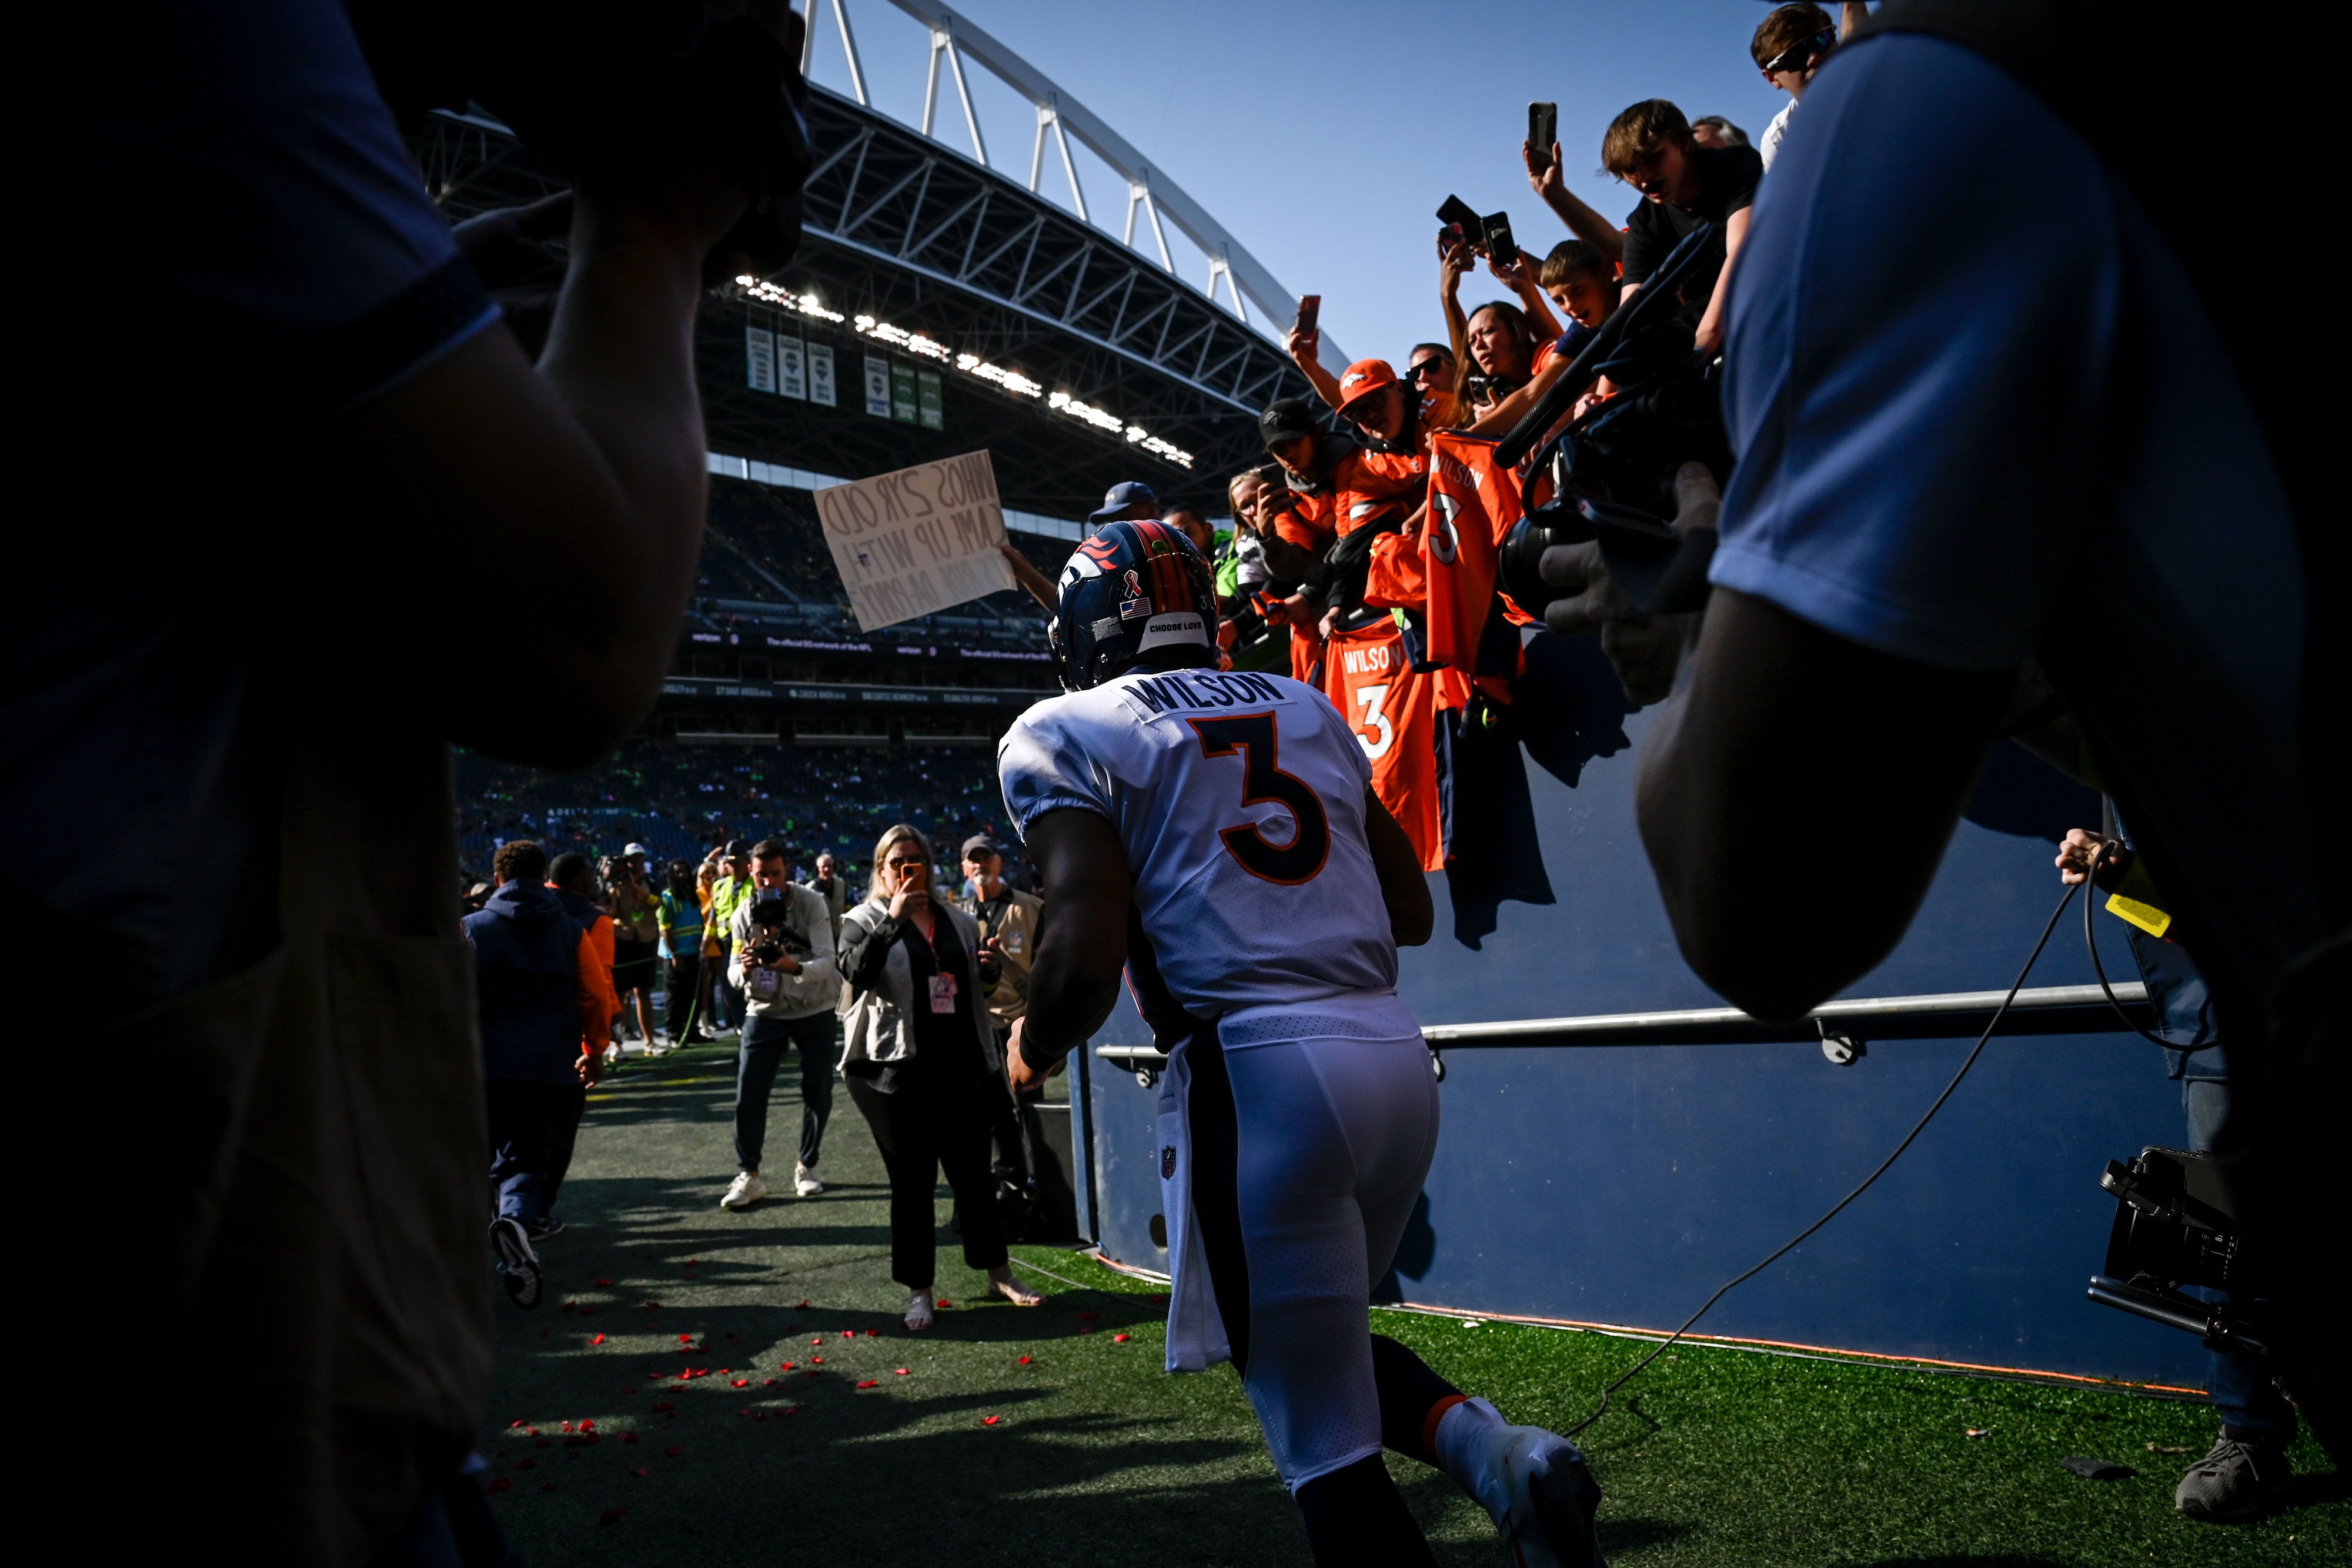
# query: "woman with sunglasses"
917 1066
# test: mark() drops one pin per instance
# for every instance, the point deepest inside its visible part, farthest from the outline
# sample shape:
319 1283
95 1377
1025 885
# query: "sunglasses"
1799 55
1426 367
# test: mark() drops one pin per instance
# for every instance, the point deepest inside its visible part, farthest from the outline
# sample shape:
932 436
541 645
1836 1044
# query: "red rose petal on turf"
801 1308
1088 1317
641 1470
1086 1331
725 1369
870 1382
873 1334
612 1516
525 1465
945 1303
742 1382
602 1283
817 1358
990 1420
686 1339
588 1425
567 1426
1025 1361
787 1365
769 1382
598 1340
901 1370
542 1443
1118 1339
849 1334
628 1436
817 1342
691 1262
673 1450
513 1425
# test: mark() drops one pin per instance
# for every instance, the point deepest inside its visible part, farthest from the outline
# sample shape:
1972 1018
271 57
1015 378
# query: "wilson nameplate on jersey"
1202 691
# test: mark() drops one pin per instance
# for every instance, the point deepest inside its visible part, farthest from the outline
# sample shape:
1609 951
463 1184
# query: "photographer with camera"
2246 1471
265 899
2133 498
783 963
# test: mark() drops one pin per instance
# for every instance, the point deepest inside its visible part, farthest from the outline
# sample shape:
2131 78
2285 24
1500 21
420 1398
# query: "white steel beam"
1246 277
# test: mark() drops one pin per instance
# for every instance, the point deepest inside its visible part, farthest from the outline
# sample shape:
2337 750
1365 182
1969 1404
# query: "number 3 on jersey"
1373 699
1253 736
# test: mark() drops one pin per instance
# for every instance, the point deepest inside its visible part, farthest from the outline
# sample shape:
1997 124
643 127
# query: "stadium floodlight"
770 293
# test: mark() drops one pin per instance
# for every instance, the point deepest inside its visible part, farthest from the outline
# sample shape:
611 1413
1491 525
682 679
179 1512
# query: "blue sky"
1323 135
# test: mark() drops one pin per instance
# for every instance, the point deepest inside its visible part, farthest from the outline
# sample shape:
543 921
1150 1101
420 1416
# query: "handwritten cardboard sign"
917 541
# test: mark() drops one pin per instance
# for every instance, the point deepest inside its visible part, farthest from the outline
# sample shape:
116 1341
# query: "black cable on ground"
1835 1209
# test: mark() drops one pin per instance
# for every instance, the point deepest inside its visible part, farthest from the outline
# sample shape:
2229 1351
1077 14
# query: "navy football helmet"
1134 591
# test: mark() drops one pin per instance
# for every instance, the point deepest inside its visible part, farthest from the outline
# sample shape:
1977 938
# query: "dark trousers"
569 1104
1004 1120
2244 1395
761 1051
522 1139
685 979
919 1132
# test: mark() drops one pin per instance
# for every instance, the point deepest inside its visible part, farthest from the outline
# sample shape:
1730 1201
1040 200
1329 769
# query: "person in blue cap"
1130 502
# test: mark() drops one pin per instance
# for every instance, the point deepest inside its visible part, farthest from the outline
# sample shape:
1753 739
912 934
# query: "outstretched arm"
1081 940
1585 224
1403 889
1750 835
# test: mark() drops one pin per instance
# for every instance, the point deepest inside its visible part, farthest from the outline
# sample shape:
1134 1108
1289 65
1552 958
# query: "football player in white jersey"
1216 834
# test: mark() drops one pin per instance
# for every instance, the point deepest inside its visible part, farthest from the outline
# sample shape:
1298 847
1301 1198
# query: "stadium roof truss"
902 226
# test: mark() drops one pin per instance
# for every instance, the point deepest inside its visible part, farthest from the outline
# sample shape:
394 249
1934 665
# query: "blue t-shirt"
237 247
1980 415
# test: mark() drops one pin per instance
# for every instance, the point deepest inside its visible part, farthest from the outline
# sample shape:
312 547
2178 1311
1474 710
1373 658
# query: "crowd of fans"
681 799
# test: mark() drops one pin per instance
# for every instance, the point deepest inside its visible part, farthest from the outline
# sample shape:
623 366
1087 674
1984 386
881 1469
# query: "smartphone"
1310 309
1543 130
1461 219
1500 245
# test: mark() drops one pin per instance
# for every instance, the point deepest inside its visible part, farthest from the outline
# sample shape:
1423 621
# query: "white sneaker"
1532 1482
804 1182
744 1191
919 1311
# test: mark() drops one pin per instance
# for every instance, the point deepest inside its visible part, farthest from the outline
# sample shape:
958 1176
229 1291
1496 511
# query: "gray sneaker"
517 1264
2237 1482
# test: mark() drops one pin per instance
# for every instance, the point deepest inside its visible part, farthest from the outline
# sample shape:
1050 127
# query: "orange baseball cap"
1364 378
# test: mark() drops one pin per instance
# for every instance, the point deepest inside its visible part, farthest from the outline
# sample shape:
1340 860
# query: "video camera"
771 918
1610 475
635 89
2176 1227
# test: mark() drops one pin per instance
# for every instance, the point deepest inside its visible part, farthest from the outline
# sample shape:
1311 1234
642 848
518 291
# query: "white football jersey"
1240 798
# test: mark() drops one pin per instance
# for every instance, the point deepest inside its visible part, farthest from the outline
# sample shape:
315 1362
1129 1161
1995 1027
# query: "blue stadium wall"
1621 1185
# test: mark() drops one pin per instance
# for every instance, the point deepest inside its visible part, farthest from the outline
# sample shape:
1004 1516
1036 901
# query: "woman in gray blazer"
917 1063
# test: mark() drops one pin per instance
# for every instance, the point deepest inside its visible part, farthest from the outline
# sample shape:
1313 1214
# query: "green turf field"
1050 1437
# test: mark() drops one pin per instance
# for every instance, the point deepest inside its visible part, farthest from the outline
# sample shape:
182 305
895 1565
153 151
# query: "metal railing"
1842 1028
